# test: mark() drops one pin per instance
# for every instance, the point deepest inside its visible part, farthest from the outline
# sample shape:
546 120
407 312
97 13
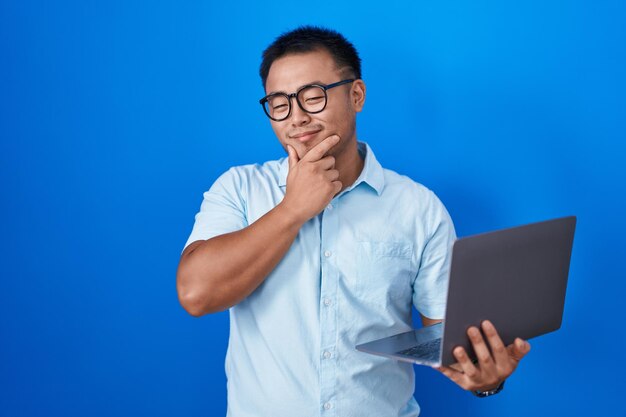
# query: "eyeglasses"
311 98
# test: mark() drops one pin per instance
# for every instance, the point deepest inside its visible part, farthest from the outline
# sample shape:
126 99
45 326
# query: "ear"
357 95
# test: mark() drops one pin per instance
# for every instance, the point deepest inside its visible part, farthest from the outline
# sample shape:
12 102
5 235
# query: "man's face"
304 130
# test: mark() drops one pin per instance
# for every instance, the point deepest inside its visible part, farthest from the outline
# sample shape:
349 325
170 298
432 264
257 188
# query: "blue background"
115 116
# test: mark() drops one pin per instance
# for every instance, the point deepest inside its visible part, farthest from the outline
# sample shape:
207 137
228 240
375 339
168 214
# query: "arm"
218 273
428 321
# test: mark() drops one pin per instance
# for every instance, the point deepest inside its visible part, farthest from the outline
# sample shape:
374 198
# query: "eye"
315 99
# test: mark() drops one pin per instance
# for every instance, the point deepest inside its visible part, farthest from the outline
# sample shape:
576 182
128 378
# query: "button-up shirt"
351 276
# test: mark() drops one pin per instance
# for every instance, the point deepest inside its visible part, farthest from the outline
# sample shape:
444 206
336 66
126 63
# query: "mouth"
305 136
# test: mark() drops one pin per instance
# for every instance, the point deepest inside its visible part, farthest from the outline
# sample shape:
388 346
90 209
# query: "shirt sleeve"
430 286
222 210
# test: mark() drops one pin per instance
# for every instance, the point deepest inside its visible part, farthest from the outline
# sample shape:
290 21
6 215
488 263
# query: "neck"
349 164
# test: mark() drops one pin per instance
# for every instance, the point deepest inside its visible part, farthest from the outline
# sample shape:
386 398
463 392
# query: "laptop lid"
516 278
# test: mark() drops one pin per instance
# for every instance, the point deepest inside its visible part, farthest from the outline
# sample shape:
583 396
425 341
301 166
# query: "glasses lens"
277 106
312 99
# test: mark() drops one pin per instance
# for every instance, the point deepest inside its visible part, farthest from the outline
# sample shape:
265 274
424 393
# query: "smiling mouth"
305 136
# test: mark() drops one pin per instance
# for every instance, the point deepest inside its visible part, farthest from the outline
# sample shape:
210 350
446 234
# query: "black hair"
308 39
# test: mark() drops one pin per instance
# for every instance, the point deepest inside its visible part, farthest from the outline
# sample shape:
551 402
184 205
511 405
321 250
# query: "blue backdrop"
115 116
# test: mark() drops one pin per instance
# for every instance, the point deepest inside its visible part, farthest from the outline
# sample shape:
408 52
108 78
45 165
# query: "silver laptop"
516 278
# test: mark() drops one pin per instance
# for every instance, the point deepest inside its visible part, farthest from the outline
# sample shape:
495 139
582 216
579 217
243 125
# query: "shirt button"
328 406
330 207
327 355
327 253
327 301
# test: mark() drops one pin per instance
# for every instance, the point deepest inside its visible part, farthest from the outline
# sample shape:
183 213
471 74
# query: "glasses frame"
295 95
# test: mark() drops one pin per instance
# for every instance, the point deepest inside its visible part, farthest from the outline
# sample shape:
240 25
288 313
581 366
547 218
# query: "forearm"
220 272
426 321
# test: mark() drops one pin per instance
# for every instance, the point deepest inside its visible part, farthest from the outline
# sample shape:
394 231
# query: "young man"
320 251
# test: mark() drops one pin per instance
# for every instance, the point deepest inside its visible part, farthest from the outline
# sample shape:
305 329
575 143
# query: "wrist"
289 216
489 392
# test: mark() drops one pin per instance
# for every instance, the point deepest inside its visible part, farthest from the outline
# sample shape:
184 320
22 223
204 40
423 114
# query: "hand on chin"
303 148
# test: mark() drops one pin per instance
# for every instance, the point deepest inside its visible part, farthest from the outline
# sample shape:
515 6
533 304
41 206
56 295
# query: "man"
320 251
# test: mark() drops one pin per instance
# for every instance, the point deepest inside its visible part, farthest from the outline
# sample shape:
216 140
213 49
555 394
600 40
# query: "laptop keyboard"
428 350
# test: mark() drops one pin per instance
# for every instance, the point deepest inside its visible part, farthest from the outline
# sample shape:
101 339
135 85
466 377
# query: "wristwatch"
483 394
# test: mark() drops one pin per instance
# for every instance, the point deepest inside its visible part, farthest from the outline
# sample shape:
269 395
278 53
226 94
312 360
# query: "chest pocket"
383 271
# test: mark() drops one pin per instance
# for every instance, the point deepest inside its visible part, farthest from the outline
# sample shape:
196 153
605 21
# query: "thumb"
293 156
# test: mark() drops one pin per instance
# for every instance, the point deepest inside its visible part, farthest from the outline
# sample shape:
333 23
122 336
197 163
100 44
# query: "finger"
319 150
326 162
518 349
458 377
456 367
338 186
498 350
332 174
293 156
464 361
451 373
480 348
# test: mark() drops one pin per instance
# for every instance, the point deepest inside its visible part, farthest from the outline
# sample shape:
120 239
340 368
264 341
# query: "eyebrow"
303 85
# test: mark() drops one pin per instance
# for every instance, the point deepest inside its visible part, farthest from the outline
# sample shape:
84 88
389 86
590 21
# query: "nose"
298 116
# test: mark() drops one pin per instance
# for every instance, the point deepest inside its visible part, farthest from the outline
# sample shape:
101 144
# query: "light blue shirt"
350 277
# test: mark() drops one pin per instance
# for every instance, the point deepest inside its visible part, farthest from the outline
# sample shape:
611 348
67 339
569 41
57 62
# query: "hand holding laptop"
494 364
517 278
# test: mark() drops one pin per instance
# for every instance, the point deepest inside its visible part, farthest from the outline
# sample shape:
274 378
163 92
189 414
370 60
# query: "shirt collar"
372 173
